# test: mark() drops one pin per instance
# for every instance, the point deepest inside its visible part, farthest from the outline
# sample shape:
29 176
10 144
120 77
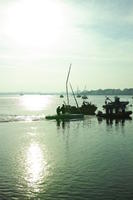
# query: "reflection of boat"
118 115
111 121
66 116
115 110
61 96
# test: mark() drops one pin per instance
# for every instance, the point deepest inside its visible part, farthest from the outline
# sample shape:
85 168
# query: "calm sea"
76 160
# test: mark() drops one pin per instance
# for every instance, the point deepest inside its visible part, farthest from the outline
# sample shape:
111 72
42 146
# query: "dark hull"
120 115
85 110
84 97
65 116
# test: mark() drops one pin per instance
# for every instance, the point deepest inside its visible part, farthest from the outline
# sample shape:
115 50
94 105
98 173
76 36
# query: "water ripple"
19 118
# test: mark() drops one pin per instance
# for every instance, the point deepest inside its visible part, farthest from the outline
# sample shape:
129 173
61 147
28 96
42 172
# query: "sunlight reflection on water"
36 167
34 102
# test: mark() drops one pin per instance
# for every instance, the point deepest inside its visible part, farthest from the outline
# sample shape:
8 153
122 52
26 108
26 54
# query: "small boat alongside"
115 109
66 116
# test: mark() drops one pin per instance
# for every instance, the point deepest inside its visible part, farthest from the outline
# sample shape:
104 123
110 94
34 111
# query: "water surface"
40 159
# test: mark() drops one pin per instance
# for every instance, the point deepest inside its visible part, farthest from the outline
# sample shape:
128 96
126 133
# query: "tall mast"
67 84
74 96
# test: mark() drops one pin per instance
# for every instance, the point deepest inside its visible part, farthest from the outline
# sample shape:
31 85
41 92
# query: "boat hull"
85 110
65 116
125 115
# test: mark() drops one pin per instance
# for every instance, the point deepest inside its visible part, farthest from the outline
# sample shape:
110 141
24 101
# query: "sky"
40 38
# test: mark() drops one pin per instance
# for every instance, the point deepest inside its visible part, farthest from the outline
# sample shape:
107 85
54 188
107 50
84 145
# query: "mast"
74 96
67 84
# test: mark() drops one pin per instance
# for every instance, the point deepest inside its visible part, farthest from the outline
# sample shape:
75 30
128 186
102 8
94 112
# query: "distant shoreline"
105 92
109 92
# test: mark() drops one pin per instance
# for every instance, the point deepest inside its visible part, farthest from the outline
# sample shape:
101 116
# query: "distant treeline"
126 91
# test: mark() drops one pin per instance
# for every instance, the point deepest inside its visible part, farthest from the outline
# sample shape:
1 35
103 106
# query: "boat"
86 109
115 109
66 116
68 111
84 97
78 95
61 96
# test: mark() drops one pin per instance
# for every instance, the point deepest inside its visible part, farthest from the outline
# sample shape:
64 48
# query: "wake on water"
19 118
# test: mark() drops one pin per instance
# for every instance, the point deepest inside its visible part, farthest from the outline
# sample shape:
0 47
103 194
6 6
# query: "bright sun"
35 22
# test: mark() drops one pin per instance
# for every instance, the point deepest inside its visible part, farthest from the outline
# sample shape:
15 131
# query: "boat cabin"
115 106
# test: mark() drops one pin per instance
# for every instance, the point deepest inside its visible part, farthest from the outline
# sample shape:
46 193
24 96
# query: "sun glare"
34 102
35 22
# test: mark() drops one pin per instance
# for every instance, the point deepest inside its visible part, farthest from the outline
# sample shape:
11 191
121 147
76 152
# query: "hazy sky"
40 38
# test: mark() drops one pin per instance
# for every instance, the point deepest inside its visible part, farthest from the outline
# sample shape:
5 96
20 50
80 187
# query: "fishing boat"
66 116
86 109
68 111
115 109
